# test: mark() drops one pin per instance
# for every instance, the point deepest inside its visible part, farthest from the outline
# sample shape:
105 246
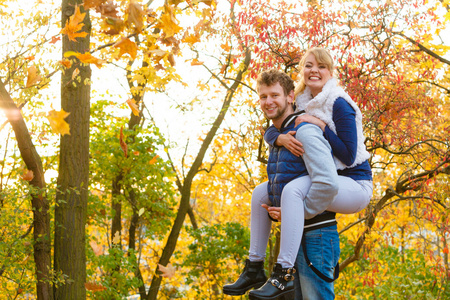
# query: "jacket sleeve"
345 142
321 169
271 135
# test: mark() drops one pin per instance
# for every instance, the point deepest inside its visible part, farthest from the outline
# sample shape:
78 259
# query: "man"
276 91
320 240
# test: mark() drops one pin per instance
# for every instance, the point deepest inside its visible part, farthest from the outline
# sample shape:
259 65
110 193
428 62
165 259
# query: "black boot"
279 286
253 276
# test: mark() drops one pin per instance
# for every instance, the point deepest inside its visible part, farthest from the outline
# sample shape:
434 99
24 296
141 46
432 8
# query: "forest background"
131 142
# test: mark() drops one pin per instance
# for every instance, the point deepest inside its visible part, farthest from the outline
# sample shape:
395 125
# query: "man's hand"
310 119
289 141
274 212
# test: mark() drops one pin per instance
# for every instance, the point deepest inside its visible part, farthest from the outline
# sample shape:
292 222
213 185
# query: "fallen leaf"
86 58
56 120
195 62
108 9
89 59
125 45
98 250
94 287
33 77
168 271
122 143
114 25
171 59
92 3
55 39
134 108
153 160
74 25
141 211
75 73
66 63
27 175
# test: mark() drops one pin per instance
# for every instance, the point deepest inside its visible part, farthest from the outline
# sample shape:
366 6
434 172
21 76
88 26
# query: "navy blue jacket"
283 166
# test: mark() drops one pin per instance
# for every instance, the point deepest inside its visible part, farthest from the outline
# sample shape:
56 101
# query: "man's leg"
322 247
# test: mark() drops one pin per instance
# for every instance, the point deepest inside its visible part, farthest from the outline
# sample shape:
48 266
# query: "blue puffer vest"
283 166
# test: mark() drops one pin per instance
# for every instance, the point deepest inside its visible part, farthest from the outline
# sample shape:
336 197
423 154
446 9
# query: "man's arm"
321 169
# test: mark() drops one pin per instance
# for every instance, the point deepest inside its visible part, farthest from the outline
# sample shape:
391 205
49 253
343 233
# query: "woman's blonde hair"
322 56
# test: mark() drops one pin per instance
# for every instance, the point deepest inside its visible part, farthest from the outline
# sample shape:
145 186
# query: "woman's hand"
310 119
289 141
274 212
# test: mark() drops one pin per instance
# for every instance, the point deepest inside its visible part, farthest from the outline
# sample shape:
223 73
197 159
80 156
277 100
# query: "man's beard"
279 112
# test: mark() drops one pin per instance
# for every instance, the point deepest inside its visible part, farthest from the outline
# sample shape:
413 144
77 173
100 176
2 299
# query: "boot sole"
243 291
289 295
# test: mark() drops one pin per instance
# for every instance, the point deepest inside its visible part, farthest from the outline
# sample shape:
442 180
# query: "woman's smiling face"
315 74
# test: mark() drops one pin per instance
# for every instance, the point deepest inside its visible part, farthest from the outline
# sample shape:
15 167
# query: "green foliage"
212 249
149 177
116 275
16 242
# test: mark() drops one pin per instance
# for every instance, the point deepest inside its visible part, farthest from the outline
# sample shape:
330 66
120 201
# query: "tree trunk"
71 198
187 184
39 201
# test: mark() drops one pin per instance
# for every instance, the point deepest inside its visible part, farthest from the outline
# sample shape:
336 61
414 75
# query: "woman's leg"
353 196
292 219
260 223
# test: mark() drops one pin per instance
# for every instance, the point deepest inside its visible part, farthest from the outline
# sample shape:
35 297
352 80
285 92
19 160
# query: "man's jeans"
322 247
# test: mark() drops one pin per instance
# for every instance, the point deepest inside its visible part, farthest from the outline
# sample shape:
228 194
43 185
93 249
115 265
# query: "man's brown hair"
272 76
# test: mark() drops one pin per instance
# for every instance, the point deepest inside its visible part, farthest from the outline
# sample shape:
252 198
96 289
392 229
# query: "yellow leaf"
195 62
168 24
56 120
134 108
141 211
125 45
153 160
168 271
74 25
116 238
33 77
191 39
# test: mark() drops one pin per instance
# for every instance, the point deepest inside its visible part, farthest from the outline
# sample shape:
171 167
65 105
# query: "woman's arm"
344 144
274 138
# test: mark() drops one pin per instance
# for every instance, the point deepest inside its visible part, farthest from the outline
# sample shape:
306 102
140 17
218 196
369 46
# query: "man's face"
274 103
